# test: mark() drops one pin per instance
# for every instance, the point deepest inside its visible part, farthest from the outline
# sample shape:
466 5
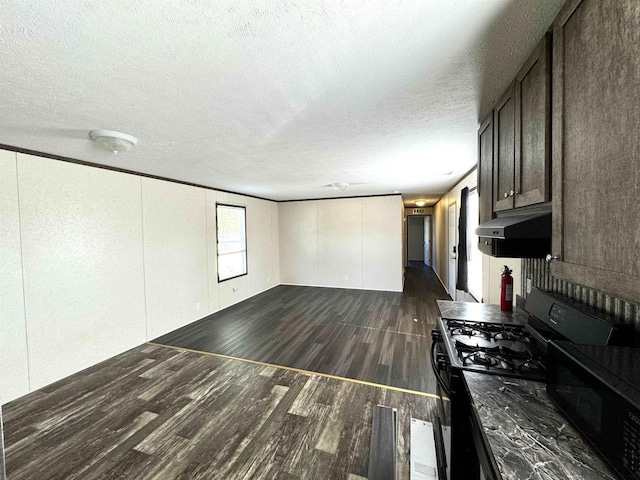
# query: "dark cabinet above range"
522 147
514 154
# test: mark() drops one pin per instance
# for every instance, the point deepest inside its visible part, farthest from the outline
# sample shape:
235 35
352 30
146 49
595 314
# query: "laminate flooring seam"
306 372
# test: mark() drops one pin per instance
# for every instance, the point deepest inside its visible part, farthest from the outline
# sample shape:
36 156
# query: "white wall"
110 260
349 243
491 266
298 222
175 255
14 363
340 242
83 266
382 226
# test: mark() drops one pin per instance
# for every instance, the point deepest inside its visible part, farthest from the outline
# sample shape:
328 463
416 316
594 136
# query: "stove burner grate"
499 358
489 331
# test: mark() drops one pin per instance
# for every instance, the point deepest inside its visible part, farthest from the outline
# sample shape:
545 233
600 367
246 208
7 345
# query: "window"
231 228
474 256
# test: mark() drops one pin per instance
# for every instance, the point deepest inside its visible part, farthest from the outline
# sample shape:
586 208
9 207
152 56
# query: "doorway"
419 238
451 283
416 238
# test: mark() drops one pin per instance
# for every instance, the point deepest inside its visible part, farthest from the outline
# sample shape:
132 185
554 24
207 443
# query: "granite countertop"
528 436
480 312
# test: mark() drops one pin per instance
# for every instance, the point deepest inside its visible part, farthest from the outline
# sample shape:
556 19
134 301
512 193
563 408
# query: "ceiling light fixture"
420 203
115 142
340 187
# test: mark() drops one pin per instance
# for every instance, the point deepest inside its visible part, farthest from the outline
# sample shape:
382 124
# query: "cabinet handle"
511 193
506 195
550 258
487 243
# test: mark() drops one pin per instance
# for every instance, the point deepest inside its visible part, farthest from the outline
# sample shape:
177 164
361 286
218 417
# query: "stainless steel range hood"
522 226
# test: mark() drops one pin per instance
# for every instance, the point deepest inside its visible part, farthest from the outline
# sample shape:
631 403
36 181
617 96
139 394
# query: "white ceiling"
272 98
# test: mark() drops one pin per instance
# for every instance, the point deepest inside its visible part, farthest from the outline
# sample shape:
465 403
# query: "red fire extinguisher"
506 290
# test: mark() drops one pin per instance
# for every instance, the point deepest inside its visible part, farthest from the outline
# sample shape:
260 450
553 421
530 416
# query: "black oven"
454 429
598 390
512 346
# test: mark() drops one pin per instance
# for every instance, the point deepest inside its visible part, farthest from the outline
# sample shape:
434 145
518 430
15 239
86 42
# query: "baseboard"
239 301
344 288
441 282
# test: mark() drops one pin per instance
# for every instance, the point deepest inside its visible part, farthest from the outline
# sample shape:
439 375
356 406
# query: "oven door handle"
441 456
436 372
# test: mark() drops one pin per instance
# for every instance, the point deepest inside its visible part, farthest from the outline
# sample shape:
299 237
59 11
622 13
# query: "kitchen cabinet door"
532 128
485 177
596 146
504 151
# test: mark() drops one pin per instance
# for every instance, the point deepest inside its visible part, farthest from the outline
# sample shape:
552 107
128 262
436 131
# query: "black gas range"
507 348
495 348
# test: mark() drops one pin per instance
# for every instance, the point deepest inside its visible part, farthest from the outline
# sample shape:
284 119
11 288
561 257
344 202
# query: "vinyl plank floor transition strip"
298 370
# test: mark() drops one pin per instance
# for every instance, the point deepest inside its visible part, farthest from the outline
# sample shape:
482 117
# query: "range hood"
521 226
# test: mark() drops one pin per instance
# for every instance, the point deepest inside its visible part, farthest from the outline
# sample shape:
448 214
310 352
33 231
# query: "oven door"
442 430
458 459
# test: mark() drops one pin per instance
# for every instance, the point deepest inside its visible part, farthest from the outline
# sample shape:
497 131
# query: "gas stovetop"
496 348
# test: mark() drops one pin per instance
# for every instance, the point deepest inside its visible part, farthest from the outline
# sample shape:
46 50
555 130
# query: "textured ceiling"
271 98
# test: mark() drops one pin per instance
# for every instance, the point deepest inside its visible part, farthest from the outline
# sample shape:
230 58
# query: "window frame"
246 243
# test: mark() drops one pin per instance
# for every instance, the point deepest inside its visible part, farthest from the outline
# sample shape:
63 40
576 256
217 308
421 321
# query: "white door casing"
451 252
427 240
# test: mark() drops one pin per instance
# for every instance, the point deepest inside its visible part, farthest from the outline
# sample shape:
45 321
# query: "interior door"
452 251
427 240
416 238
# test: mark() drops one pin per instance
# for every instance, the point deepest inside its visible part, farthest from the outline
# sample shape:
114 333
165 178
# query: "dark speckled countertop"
526 433
481 312
528 436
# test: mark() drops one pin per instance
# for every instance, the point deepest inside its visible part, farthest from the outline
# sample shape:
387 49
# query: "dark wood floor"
159 413
380 337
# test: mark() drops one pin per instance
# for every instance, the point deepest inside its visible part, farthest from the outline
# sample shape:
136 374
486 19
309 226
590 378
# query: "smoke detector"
115 142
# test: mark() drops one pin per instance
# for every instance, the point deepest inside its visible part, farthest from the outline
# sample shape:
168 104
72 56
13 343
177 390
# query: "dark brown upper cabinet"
522 154
485 180
533 128
504 151
596 146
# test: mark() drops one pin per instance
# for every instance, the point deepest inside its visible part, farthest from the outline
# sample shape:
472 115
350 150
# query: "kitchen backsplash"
537 269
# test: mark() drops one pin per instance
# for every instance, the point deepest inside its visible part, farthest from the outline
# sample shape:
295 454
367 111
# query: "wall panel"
298 231
212 258
175 255
260 238
14 365
382 243
83 265
340 243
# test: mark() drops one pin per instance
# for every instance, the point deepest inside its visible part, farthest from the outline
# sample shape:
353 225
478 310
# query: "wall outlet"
268 279
235 289
528 286
198 306
346 277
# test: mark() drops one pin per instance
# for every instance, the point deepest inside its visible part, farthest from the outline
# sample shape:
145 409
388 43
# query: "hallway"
378 337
